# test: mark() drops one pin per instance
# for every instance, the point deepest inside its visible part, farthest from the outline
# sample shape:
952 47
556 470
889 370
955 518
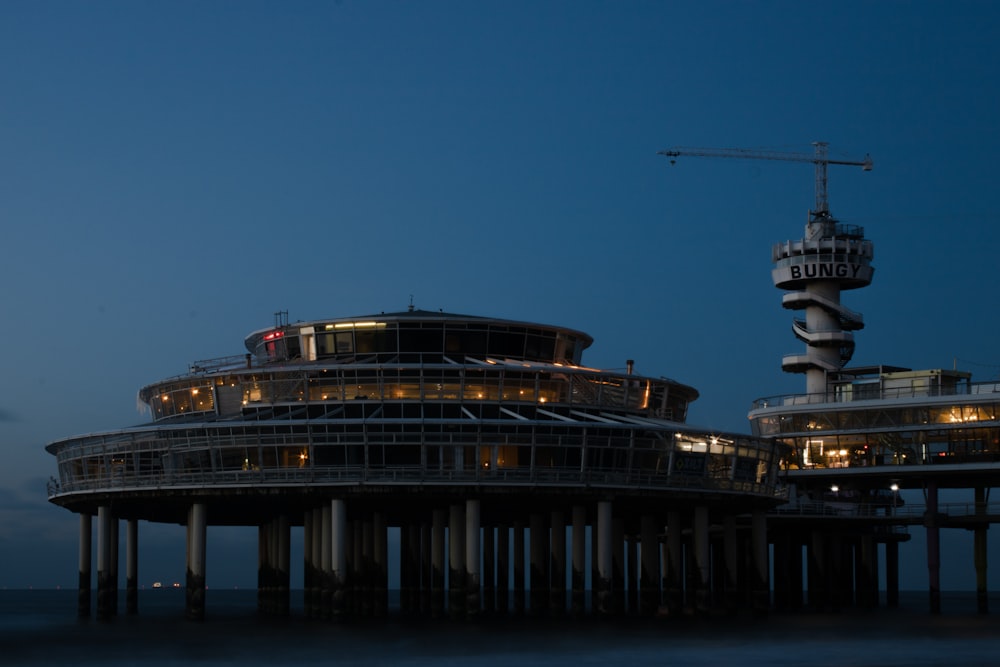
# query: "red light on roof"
273 335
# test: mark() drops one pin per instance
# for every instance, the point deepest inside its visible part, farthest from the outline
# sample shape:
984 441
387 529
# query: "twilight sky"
173 173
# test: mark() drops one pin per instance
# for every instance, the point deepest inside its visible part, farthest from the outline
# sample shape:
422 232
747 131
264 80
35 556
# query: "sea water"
41 627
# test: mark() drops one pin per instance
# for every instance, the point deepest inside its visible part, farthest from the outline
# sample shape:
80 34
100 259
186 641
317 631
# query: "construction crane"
819 158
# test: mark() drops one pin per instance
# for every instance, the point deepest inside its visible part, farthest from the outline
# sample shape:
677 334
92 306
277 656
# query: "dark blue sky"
173 173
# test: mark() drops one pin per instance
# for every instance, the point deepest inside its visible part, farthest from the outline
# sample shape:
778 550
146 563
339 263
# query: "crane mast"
819 157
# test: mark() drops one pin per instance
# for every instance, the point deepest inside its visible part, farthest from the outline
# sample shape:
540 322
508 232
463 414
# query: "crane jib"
818 158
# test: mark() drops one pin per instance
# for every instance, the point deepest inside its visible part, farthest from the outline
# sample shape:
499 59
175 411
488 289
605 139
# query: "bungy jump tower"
830 258
483 442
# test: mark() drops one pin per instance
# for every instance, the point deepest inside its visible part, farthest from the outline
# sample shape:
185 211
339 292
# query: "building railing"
871 393
866 510
228 380
221 363
410 475
848 246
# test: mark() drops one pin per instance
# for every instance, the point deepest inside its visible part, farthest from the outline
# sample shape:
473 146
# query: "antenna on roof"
410 309
281 319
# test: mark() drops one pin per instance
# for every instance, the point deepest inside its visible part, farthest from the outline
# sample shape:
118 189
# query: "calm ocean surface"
41 628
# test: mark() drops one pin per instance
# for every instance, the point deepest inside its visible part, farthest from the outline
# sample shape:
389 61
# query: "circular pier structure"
509 476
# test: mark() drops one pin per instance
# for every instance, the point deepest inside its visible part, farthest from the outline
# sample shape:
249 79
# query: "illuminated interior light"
835 488
165 397
358 325
194 391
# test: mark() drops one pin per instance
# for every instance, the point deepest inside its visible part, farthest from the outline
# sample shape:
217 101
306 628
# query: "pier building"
859 437
514 474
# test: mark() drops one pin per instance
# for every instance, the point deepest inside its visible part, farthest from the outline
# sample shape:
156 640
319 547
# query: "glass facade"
468 387
404 339
295 451
872 426
182 398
